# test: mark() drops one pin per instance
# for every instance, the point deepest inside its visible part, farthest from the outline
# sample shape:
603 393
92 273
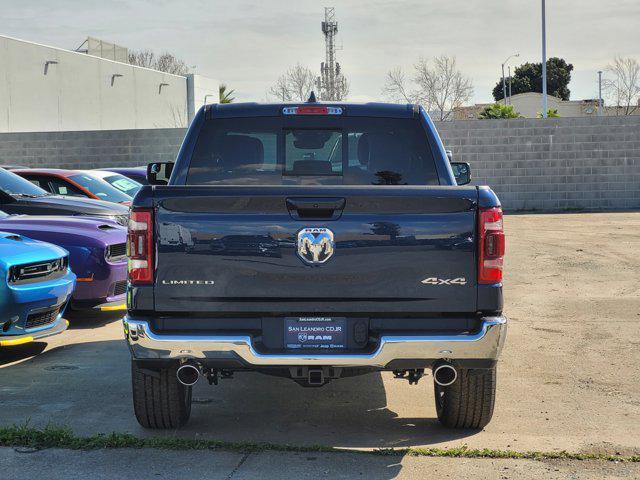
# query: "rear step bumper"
486 344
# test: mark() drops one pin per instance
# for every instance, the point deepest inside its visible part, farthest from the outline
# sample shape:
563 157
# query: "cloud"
249 43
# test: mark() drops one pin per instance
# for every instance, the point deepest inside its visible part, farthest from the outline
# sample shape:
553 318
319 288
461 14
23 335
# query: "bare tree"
143 58
280 90
623 88
437 85
166 62
294 85
396 89
301 81
178 116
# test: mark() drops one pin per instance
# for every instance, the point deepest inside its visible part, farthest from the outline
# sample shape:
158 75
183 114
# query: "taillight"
490 245
140 246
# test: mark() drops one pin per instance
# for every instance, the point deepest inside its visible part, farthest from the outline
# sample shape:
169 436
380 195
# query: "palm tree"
225 97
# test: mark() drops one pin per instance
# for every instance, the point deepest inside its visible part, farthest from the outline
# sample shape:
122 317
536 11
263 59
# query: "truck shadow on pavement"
21 352
84 320
87 387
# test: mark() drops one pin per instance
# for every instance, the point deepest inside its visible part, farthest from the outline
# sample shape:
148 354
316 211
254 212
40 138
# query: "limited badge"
315 245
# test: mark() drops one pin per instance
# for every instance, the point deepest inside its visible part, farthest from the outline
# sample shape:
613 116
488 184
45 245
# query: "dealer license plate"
315 332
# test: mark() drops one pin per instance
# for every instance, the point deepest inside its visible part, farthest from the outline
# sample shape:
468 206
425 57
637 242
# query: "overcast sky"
248 43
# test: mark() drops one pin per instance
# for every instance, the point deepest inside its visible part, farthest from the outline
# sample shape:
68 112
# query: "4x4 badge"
315 245
444 281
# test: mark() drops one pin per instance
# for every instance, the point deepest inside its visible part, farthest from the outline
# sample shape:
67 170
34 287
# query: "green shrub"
551 113
498 110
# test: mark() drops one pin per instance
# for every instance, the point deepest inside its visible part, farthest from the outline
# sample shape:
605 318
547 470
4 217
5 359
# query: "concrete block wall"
90 149
552 164
533 164
50 89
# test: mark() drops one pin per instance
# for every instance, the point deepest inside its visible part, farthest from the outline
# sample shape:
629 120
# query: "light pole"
504 82
600 93
509 85
544 61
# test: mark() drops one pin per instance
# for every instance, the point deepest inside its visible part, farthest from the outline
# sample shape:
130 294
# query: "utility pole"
545 107
504 81
504 87
600 112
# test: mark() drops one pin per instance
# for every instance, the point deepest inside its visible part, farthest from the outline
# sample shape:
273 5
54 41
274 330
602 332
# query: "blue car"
35 286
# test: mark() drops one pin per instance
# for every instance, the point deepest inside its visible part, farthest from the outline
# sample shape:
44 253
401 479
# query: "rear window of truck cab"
312 150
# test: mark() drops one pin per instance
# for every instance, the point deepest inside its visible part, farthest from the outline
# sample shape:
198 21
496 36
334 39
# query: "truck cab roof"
373 109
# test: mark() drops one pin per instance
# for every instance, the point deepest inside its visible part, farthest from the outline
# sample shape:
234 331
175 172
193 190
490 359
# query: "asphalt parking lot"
569 380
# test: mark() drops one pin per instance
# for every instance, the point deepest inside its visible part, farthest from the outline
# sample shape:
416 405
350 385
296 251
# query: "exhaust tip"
188 374
445 374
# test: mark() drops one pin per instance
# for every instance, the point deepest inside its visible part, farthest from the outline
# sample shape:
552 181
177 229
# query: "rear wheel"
159 400
469 401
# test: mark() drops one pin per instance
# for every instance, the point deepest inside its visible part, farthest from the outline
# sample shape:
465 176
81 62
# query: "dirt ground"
569 378
572 361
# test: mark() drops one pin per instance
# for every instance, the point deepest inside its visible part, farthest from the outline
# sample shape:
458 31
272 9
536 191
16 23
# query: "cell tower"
331 83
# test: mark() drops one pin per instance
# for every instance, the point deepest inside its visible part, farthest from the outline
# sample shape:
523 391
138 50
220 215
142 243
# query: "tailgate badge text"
444 281
188 282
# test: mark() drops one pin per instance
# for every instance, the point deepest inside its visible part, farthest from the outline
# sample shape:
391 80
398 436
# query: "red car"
73 183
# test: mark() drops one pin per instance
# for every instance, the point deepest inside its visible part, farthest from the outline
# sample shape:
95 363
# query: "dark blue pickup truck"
314 241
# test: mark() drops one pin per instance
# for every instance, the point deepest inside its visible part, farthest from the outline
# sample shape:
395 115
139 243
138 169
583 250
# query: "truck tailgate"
235 249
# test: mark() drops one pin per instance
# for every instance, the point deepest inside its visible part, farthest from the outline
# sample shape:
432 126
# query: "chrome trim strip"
486 344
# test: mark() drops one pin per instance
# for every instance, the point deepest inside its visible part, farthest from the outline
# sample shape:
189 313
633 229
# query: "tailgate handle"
315 208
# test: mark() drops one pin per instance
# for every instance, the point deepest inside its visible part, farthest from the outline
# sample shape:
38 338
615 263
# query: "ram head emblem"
315 245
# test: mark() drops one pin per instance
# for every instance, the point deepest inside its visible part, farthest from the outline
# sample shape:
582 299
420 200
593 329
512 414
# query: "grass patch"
54 436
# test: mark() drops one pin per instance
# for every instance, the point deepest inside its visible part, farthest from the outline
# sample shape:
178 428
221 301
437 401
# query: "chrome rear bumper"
486 344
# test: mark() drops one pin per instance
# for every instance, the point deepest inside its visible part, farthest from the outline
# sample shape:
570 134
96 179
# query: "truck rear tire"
469 401
159 400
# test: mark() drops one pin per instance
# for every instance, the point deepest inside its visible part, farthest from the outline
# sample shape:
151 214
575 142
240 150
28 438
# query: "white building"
51 89
529 105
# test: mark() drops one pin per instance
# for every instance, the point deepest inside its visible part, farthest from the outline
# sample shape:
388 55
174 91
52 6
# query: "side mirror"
462 172
159 173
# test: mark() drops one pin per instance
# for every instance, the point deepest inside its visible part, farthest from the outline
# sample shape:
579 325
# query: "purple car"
139 174
97 254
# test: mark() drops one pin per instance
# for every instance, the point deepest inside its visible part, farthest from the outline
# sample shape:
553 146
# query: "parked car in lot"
20 196
35 287
74 183
139 174
120 182
97 254
12 167
341 244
